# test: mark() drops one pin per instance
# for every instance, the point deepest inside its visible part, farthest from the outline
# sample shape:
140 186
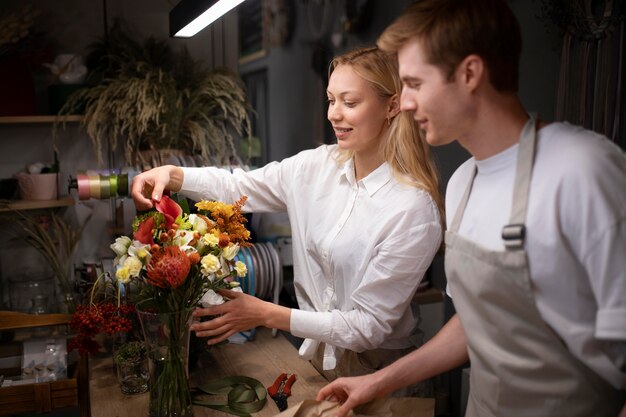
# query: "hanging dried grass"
150 97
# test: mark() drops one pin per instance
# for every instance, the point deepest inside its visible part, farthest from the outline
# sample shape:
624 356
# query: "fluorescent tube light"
191 16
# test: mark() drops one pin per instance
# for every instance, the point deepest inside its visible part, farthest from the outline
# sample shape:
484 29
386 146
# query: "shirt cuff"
189 178
610 324
310 324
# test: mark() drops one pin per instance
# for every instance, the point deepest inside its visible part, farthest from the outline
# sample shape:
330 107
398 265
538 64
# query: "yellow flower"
142 254
216 208
123 275
134 265
241 269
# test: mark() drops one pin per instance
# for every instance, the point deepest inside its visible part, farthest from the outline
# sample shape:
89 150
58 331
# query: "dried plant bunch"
16 28
148 96
56 239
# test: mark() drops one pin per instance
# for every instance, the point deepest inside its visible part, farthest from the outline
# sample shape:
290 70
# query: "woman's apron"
519 365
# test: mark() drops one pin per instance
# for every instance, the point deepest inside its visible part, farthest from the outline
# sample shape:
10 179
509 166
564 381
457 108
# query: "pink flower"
170 209
144 231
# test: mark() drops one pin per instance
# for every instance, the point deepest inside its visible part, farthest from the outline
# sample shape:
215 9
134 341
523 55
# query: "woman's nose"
333 113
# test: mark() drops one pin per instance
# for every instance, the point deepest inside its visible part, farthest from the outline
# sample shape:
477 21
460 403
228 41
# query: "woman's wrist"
275 316
177 177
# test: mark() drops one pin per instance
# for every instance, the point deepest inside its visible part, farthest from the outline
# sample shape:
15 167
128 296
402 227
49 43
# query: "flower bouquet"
173 262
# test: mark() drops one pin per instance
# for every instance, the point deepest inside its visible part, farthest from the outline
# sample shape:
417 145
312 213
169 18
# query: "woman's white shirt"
360 249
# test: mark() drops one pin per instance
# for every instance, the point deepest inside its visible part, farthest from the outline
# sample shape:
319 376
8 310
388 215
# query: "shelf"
35 204
39 119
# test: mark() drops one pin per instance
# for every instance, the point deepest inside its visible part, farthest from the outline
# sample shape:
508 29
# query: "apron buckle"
513 235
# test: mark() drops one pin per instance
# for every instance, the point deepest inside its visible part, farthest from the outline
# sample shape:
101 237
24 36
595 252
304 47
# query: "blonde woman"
365 214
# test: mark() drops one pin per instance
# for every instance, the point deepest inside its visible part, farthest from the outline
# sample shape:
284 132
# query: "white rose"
210 240
211 298
241 269
210 264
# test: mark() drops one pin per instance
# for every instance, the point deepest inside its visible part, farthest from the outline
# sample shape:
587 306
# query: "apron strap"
456 220
514 233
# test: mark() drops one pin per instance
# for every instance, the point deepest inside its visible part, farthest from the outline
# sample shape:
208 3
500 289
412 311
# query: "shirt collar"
373 182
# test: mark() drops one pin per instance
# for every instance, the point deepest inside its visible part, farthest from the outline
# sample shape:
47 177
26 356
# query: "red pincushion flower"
168 267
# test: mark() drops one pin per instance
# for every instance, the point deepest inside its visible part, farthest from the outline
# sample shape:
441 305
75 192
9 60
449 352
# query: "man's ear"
394 106
471 71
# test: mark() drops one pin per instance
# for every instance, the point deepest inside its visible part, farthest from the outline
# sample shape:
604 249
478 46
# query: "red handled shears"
281 389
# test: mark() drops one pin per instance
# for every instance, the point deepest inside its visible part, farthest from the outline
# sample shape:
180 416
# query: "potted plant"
149 97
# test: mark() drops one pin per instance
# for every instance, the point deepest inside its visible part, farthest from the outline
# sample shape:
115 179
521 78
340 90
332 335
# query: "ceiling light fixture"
191 16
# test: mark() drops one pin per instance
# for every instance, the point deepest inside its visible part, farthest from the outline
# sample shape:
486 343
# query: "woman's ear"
394 106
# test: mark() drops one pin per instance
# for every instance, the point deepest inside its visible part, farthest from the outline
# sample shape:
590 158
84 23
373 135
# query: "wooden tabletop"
263 359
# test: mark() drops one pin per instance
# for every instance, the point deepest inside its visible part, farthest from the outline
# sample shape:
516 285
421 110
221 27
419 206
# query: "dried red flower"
91 320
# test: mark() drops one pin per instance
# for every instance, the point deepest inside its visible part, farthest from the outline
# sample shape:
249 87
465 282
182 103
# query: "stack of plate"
265 272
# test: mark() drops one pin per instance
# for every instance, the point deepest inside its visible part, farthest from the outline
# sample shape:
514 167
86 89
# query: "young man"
536 240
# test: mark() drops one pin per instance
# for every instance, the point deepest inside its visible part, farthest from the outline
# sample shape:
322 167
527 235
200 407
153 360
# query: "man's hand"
351 392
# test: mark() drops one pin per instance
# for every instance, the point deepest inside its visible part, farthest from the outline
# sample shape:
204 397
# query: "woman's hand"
350 392
242 312
149 185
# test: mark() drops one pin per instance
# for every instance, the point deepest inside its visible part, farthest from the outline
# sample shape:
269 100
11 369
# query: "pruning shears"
281 389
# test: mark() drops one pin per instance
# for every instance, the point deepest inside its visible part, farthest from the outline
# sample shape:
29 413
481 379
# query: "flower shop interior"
60 171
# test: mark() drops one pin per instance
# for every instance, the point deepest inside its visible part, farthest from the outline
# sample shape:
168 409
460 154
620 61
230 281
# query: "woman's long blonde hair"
406 152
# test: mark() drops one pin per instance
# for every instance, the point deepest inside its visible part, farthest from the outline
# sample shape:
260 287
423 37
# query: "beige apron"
519 365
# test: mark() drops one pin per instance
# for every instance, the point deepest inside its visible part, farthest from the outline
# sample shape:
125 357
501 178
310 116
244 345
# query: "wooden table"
263 359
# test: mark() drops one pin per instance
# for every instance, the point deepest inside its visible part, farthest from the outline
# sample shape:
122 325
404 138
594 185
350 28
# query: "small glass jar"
132 370
40 306
133 376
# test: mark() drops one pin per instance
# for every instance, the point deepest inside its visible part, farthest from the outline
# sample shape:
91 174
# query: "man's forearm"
445 351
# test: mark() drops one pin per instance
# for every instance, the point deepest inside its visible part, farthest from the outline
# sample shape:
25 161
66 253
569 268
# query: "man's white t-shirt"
576 236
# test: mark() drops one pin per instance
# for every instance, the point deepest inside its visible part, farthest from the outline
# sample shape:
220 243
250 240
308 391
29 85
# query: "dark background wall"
294 71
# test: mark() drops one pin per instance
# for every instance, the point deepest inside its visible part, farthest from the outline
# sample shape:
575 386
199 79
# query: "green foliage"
130 351
148 96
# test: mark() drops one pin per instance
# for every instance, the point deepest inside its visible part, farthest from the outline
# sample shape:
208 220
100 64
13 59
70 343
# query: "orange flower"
194 258
168 267
224 240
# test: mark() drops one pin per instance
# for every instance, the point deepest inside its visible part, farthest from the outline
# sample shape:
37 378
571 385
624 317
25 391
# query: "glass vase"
167 342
